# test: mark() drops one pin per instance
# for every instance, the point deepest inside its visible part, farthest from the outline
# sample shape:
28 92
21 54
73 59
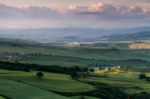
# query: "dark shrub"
142 76
91 70
39 75
74 75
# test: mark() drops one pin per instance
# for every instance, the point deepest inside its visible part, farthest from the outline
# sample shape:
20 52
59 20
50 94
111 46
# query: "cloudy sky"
65 3
103 14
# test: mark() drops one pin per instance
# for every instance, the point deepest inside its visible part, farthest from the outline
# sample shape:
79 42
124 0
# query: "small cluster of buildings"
122 68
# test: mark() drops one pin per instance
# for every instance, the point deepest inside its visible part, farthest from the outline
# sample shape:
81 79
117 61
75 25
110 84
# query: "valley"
89 71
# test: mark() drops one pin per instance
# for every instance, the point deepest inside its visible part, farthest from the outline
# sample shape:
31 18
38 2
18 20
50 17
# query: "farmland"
51 81
104 71
140 45
22 82
85 55
17 90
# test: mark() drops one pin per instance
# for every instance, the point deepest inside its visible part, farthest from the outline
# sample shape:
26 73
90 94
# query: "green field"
23 85
119 83
51 81
128 81
85 55
17 90
16 83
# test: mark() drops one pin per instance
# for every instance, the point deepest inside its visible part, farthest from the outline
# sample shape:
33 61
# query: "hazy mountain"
145 35
74 34
51 35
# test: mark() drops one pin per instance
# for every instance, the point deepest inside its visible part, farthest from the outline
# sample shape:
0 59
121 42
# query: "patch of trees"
144 77
100 65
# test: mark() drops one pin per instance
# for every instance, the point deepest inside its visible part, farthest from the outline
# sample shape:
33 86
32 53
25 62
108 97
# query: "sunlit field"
140 45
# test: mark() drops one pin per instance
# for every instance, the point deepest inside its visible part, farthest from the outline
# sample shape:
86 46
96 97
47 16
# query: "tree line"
46 68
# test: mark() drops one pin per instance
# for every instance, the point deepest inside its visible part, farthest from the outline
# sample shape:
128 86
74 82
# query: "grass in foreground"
51 81
16 90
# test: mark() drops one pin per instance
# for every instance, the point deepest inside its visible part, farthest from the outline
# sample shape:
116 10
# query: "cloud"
99 9
89 16
8 12
112 12
95 7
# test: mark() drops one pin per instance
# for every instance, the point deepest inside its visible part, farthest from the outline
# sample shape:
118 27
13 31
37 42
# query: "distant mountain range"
138 36
145 35
64 35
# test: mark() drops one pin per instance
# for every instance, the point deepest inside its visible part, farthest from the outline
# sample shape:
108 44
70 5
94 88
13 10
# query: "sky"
65 3
104 14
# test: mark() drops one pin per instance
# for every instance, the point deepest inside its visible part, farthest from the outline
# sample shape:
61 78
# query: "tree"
39 75
91 70
142 76
75 75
